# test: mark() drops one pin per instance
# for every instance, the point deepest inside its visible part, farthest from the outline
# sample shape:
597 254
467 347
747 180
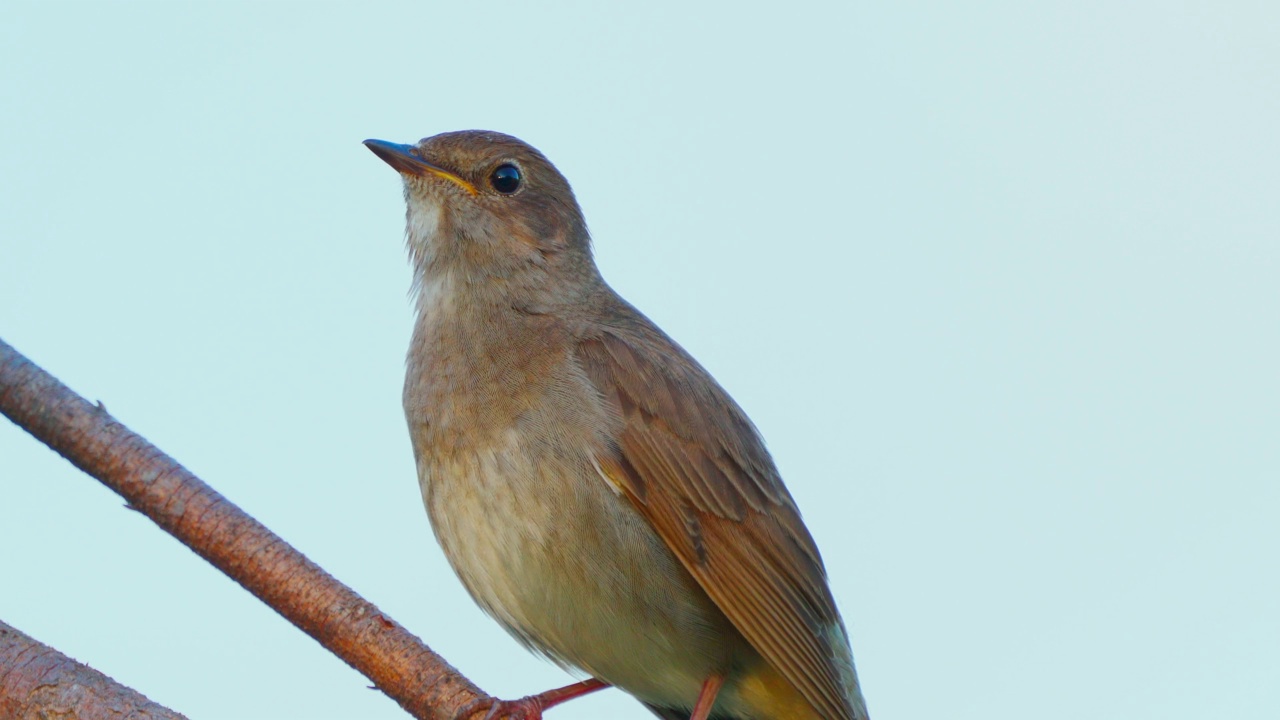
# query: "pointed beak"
406 162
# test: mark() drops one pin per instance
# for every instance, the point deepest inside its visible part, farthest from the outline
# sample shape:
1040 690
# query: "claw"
526 708
530 707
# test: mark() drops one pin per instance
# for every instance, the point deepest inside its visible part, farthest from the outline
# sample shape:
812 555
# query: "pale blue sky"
997 281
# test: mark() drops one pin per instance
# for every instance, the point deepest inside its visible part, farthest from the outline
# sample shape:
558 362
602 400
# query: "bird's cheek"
534 233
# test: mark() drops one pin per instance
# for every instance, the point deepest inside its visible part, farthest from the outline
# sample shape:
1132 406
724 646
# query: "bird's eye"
505 178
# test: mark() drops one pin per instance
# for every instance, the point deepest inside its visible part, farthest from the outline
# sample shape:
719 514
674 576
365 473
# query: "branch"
154 484
37 681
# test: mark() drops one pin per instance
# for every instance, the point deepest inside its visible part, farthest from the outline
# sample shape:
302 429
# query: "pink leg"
531 707
707 698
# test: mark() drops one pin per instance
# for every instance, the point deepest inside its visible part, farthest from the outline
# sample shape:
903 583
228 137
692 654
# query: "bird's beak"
402 158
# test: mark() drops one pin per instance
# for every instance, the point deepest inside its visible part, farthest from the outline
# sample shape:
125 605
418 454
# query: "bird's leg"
552 698
707 698
531 707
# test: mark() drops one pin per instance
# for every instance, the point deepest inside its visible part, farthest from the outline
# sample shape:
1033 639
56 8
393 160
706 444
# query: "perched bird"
596 491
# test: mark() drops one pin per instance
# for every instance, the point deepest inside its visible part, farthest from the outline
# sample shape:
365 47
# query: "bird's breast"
506 463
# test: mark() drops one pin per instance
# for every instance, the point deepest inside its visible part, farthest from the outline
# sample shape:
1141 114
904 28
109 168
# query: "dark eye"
505 178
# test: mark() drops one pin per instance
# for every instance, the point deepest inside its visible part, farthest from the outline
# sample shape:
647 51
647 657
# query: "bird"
595 490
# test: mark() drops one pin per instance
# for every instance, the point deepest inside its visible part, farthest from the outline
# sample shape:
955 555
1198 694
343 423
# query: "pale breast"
545 545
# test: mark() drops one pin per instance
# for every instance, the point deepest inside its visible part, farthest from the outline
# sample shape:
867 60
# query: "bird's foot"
526 708
531 707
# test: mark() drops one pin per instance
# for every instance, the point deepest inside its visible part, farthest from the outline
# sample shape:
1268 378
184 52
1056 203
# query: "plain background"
997 281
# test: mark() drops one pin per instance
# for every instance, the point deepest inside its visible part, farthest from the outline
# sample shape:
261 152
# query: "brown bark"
396 661
38 682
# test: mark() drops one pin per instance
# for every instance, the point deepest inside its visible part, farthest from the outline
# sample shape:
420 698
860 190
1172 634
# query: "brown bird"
594 488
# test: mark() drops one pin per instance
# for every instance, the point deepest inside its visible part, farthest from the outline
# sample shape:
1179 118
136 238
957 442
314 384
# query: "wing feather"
697 470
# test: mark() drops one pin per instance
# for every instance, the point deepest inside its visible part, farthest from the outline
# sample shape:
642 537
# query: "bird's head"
489 208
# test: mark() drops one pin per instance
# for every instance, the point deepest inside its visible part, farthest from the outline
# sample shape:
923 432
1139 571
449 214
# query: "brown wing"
696 468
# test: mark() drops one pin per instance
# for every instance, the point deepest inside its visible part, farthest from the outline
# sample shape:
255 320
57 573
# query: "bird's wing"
697 470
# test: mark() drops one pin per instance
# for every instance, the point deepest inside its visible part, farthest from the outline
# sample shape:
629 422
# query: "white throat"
433 285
